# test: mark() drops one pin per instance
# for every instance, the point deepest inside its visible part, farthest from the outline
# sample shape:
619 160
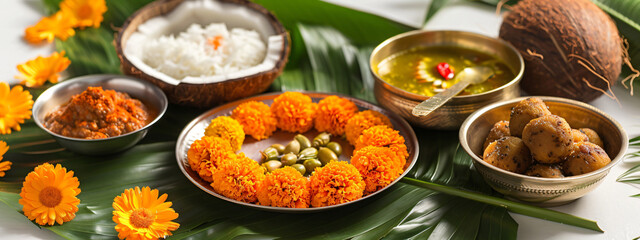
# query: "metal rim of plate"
195 130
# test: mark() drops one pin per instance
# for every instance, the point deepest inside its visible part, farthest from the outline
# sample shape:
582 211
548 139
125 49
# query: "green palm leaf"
633 174
333 46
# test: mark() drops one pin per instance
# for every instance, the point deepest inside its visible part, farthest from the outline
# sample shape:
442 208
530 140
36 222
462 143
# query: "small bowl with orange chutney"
99 114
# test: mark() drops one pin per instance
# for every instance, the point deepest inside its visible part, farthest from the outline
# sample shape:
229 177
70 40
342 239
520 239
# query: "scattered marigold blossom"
256 119
226 128
362 121
383 136
294 111
59 25
49 193
6 165
335 183
333 113
141 214
86 13
15 107
37 71
284 187
206 153
238 178
379 166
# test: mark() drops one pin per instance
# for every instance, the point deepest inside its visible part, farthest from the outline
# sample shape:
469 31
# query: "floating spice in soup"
97 113
425 70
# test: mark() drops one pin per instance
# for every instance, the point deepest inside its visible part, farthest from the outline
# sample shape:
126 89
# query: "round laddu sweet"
508 153
499 130
593 136
525 111
544 170
549 139
578 136
587 157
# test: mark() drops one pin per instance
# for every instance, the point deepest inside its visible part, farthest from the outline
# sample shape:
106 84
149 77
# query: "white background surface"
609 205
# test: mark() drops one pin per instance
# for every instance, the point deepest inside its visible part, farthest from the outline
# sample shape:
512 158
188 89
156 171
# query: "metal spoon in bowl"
468 76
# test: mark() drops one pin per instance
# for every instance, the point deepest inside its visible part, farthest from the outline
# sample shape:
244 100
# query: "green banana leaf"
331 58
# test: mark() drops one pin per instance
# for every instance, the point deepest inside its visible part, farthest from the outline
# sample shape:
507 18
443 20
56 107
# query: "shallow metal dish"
195 130
537 190
451 115
61 93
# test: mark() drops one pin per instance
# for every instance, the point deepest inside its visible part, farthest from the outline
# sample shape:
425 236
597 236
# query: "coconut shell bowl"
537 190
451 115
167 17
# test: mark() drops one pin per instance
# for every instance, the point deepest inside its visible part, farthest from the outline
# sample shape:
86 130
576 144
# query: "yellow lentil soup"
427 70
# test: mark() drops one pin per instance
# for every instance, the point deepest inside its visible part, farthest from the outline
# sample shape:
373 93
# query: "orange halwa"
226 128
383 136
96 113
333 114
284 187
238 178
379 166
364 120
206 153
335 183
294 111
256 119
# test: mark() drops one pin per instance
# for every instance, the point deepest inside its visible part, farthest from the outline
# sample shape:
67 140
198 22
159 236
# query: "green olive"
269 154
326 155
289 159
272 165
311 164
292 147
321 140
335 147
300 168
308 153
278 147
304 141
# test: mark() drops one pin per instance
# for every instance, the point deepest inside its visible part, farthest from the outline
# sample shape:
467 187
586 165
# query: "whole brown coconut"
571 48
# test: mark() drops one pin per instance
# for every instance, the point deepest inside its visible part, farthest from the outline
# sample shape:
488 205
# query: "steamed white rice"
192 53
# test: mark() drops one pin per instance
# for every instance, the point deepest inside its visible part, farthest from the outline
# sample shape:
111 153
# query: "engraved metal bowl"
537 190
451 115
149 94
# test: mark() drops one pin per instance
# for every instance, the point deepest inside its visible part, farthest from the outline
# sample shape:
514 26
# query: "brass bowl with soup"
404 69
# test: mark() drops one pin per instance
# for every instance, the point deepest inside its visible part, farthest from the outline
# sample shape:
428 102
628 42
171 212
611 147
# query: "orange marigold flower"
206 153
226 128
6 165
141 214
238 178
335 183
36 72
58 25
284 187
383 136
379 166
87 13
294 111
256 119
49 193
15 107
364 120
333 114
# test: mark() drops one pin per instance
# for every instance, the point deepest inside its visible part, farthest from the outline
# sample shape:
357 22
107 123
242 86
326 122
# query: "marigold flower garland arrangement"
379 157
